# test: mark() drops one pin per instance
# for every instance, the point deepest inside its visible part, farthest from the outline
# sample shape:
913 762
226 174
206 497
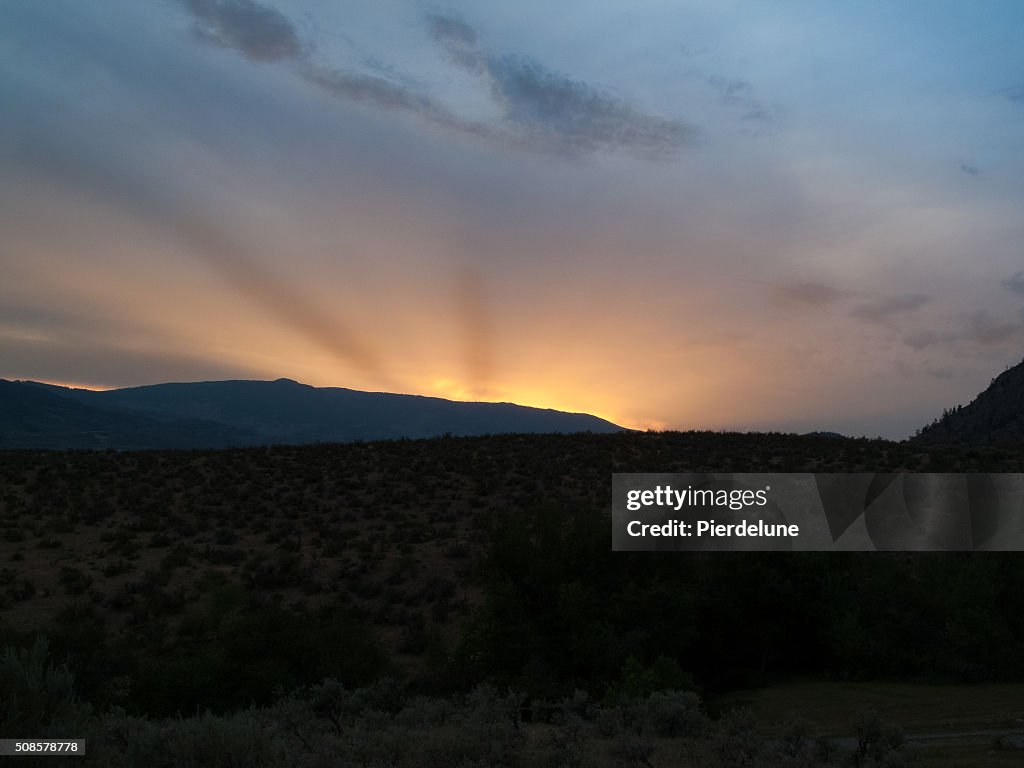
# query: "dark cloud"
258 32
1015 93
739 94
384 94
1014 282
570 115
373 90
970 170
458 40
983 329
885 308
976 328
451 30
808 293
927 338
546 109
542 110
732 90
262 33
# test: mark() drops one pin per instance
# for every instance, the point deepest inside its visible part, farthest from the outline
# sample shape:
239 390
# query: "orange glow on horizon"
69 384
451 389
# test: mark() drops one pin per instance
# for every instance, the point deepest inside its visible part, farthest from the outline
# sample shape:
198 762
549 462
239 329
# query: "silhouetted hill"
33 416
996 416
232 413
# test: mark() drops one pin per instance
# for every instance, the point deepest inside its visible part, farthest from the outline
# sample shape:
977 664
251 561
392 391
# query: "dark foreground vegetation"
328 724
322 603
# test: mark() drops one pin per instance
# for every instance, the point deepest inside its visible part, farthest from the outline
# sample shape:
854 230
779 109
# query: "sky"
784 216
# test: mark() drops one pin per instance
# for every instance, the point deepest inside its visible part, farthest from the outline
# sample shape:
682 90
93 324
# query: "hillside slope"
994 417
219 414
36 417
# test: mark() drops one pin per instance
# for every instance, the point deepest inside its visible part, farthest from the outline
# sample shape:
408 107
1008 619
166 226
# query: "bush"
74 581
674 714
38 698
736 741
878 744
638 681
210 741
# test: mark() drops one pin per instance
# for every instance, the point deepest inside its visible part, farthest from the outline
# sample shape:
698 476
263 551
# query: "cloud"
976 328
258 32
1014 282
384 94
572 116
458 40
542 110
262 33
983 329
373 90
882 309
970 170
927 338
548 110
808 293
740 94
1015 93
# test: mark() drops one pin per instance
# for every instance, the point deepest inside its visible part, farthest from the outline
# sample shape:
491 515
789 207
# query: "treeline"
561 611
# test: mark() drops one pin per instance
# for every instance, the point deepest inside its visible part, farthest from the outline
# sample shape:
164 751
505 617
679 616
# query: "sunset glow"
671 216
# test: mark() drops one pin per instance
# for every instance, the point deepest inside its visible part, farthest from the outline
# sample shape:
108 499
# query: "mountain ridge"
240 412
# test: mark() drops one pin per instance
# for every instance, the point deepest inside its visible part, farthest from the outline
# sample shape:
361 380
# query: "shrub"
736 742
74 581
211 741
38 699
675 714
878 744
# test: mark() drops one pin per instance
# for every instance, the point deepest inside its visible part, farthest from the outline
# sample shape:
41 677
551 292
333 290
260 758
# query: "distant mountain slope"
996 416
221 413
32 416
